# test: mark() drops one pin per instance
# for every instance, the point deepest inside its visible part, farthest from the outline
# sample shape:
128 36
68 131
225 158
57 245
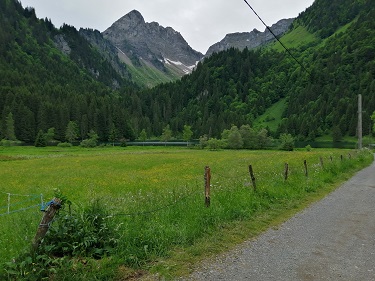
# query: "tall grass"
154 197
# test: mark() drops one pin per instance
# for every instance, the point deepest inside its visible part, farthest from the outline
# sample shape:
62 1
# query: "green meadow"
150 202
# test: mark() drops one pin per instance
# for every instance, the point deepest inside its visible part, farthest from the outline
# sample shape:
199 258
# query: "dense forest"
43 87
342 67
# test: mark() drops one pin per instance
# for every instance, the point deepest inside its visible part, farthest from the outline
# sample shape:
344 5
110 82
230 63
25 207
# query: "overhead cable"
270 30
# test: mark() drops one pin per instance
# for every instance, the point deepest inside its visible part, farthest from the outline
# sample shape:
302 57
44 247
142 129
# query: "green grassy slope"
298 37
272 117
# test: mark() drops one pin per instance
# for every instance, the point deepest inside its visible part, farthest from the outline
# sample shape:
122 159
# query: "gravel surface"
334 239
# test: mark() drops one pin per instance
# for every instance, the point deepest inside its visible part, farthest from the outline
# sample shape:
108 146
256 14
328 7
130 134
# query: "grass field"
153 199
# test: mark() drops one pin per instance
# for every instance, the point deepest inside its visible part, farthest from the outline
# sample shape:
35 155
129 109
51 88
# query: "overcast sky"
201 22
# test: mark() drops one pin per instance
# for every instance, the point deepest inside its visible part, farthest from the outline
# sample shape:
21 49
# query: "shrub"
203 141
85 233
123 144
5 142
64 144
79 234
214 144
287 142
88 143
92 141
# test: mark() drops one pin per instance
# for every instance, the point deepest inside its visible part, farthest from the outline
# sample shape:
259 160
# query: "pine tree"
167 134
9 128
187 133
71 133
40 140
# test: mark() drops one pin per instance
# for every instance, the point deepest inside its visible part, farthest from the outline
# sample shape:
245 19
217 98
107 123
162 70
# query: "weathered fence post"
286 171
321 162
331 158
350 156
306 172
53 206
207 181
252 177
341 157
8 203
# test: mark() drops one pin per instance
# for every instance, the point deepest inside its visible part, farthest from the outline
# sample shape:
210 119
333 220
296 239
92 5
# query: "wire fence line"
10 206
15 206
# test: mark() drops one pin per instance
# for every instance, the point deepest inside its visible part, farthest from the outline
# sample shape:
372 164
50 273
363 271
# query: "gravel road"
334 239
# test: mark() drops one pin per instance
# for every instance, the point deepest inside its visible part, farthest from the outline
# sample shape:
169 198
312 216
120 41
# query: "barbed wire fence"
14 206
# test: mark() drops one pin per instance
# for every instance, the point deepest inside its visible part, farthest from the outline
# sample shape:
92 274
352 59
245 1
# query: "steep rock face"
251 39
106 49
151 42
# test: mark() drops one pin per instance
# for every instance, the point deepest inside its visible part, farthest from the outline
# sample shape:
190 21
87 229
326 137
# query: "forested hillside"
235 87
341 67
232 87
43 88
51 77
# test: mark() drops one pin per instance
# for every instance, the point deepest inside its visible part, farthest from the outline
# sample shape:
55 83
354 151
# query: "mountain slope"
42 87
235 87
140 43
251 39
342 67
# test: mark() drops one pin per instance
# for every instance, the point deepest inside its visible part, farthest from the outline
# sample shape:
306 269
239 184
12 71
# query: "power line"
270 30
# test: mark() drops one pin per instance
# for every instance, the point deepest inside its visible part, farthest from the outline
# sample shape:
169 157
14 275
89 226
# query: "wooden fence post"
350 156
341 157
306 172
286 171
321 162
331 158
207 181
53 206
252 177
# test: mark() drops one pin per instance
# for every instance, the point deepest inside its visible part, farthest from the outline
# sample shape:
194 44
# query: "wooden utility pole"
360 121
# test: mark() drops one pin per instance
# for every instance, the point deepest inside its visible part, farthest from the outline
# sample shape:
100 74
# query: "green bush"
88 143
83 233
64 144
287 142
215 144
8 143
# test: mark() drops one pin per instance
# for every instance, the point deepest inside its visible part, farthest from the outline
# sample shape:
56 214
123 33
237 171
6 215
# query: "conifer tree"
9 127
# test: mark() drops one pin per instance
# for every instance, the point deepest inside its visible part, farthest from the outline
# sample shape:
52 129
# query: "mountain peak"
129 21
152 44
134 16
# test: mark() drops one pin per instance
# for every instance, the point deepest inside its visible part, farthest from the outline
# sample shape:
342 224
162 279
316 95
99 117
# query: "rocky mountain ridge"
151 43
250 40
155 54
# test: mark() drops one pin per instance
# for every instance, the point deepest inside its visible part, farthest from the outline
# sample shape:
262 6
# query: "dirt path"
333 239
